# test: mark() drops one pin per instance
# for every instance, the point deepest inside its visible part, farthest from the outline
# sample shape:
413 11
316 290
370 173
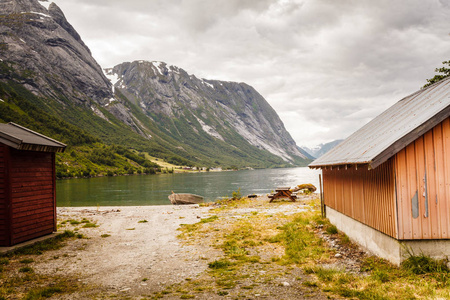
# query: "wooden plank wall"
364 195
423 185
4 229
32 189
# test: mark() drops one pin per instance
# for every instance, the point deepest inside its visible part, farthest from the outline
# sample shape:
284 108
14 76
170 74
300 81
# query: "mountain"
50 82
205 114
305 153
321 149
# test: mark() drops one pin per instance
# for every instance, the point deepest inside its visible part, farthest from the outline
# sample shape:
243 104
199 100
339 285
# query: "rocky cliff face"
218 108
47 55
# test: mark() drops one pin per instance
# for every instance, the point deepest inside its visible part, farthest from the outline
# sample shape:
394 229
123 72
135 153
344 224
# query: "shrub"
237 194
422 264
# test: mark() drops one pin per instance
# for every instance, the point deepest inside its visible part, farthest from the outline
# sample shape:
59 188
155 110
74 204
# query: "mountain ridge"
321 149
215 104
44 62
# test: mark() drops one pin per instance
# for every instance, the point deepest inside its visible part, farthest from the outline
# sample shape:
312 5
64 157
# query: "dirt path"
137 258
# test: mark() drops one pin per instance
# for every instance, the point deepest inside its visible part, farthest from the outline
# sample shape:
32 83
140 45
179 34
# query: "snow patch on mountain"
45 3
114 78
159 66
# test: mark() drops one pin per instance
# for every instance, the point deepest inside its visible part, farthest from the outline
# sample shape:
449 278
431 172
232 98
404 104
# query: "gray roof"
392 130
22 138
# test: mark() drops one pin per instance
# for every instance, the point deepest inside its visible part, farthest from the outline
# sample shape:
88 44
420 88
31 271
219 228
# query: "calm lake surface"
153 189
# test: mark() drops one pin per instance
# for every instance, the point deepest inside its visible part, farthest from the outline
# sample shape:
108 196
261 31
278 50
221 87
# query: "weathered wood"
24 224
25 189
282 192
19 184
31 234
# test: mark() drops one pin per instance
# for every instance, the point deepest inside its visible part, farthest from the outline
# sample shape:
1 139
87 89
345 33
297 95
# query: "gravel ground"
133 250
135 253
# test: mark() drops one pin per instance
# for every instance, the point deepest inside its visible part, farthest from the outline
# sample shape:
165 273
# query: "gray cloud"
327 67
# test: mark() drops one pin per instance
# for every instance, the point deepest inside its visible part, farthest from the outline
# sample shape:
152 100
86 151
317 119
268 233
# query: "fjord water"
153 189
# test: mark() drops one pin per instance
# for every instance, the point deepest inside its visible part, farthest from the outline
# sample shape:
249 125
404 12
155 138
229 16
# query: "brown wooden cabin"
27 184
393 176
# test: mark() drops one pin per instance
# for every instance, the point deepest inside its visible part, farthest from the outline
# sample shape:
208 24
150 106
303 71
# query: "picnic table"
283 192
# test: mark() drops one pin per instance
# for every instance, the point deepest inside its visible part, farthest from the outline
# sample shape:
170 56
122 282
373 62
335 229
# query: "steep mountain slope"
44 51
45 64
214 111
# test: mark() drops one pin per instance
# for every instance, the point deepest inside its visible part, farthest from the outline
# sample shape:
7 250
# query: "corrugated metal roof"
22 138
392 130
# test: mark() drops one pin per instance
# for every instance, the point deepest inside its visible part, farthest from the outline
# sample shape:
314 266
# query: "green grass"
143 221
26 270
20 281
43 293
220 264
50 244
189 229
243 240
300 242
90 225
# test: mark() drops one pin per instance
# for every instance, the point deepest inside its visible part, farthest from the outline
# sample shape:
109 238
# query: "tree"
445 72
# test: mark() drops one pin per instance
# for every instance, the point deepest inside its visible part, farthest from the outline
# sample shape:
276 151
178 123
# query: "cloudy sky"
327 67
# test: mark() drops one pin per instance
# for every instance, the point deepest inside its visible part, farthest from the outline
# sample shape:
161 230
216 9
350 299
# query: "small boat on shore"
177 199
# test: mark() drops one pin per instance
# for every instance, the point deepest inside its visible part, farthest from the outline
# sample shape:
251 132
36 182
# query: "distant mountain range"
321 149
50 82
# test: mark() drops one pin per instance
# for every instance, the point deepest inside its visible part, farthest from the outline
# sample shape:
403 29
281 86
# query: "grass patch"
50 244
26 261
105 235
45 292
422 264
90 225
220 264
26 270
143 221
18 280
189 229
300 242
331 229
4 261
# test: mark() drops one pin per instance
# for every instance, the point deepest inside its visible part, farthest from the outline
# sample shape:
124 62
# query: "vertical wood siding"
4 236
364 195
32 192
423 185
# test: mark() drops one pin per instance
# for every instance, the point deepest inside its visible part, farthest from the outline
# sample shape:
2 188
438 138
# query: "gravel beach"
141 243
134 252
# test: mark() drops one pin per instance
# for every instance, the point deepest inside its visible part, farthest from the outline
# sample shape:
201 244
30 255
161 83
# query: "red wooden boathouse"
387 186
27 184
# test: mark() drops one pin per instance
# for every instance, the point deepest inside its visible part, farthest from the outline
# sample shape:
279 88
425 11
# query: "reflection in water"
154 189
